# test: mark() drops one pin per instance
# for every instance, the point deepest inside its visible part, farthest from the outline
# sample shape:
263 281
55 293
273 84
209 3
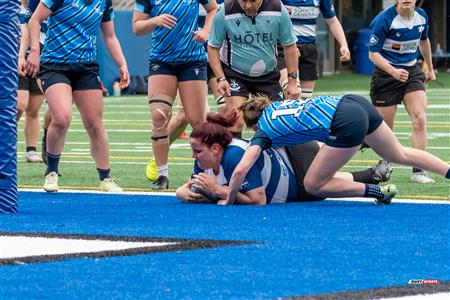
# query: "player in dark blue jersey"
29 95
343 123
304 14
69 73
177 63
398 33
276 177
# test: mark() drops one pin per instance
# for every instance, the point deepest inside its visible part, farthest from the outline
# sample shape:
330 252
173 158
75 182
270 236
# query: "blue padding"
305 248
135 49
9 38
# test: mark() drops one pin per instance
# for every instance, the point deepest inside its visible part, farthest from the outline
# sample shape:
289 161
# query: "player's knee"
312 186
419 122
61 123
161 110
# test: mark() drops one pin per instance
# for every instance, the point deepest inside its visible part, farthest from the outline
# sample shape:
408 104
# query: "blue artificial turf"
303 248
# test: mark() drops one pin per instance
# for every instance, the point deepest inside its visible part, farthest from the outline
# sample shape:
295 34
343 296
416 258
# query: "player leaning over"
397 35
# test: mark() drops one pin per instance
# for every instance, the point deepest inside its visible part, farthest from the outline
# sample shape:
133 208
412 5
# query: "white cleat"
108 185
421 177
51 182
33 157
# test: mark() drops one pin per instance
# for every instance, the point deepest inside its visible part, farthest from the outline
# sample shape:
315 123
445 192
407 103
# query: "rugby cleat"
151 171
161 183
382 171
108 185
51 182
389 191
33 157
421 177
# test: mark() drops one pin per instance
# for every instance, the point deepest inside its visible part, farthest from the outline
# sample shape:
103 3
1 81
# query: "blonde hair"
252 109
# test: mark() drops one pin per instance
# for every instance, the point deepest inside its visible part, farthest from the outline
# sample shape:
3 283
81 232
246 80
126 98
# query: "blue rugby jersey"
304 14
176 44
293 122
397 39
25 15
272 170
72 30
202 15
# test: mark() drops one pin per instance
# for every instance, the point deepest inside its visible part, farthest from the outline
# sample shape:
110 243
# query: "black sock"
52 163
416 170
365 176
31 149
373 191
103 173
236 134
448 174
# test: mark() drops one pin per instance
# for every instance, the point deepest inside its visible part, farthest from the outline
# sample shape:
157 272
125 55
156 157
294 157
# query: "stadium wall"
135 48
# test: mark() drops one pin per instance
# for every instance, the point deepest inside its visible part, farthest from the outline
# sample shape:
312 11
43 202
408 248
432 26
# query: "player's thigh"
59 100
35 103
193 95
416 103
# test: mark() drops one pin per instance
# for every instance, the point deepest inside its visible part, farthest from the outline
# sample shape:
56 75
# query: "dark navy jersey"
397 39
72 30
272 171
293 122
176 44
304 14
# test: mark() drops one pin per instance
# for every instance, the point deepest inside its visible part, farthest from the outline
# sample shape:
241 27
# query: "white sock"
163 170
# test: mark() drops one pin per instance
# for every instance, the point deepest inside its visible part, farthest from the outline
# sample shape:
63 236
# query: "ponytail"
252 109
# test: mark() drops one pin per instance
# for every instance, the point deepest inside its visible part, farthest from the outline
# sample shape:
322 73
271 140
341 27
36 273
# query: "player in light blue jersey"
398 33
242 51
177 63
29 95
276 177
343 123
304 14
69 73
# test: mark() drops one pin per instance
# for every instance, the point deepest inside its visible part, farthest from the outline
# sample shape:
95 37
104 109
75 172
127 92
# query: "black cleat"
382 171
161 183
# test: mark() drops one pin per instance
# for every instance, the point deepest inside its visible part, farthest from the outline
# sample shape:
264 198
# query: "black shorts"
301 157
27 83
182 71
354 118
385 90
308 62
78 76
242 85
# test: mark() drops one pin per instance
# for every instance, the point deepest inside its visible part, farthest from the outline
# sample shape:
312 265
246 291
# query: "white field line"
172 194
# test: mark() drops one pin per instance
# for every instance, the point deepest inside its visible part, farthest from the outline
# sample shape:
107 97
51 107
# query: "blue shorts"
354 118
182 71
81 76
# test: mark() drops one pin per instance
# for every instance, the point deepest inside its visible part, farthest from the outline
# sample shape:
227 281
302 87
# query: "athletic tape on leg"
161 104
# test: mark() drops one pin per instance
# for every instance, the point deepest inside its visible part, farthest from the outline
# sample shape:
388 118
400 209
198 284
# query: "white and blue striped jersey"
272 170
396 38
176 44
25 15
294 122
304 14
72 30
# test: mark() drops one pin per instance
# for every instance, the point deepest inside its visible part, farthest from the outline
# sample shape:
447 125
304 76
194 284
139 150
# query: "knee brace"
307 93
220 100
162 105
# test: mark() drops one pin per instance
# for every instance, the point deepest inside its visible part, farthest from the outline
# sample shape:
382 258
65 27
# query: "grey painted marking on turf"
379 293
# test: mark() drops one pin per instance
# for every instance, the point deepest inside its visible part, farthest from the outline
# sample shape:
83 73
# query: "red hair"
215 129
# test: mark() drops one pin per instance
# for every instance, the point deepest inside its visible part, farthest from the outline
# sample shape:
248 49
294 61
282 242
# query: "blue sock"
448 174
373 191
103 173
52 163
